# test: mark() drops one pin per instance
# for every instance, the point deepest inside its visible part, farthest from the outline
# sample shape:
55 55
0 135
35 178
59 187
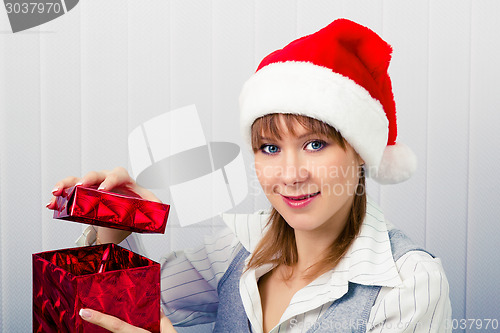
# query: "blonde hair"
278 246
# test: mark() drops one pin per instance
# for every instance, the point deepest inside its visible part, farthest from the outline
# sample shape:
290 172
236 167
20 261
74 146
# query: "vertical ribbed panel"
20 175
312 18
232 60
483 220
406 28
104 87
446 195
3 138
72 89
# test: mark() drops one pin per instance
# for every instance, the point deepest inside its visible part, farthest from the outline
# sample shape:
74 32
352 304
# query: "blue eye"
269 149
315 145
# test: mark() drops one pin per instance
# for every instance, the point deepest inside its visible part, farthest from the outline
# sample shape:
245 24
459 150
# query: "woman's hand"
117 180
116 325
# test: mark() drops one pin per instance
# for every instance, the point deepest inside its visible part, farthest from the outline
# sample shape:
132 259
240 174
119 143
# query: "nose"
293 169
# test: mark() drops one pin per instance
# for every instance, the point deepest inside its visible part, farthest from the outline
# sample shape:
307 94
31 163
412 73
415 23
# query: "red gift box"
97 207
105 278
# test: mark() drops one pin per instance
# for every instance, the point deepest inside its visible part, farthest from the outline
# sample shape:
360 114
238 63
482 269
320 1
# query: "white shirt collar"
368 261
369 258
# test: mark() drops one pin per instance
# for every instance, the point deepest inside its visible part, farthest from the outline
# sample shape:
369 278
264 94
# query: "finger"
93 178
52 203
118 177
61 185
145 194
59 189
108 322
166 325
120 180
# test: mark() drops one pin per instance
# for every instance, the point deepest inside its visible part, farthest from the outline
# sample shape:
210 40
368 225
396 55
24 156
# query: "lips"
300 201
302 197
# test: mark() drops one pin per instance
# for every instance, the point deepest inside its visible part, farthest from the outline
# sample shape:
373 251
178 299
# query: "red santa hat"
337 75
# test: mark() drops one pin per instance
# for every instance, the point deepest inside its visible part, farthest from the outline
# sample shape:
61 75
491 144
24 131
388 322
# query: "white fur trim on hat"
398 164
317 92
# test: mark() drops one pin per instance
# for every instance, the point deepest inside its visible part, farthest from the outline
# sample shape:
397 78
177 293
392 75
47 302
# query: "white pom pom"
398 164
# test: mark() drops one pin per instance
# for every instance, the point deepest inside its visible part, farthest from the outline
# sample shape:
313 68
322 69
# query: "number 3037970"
33 7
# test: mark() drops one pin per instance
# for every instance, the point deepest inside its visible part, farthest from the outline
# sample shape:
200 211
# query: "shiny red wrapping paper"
105 278
97 207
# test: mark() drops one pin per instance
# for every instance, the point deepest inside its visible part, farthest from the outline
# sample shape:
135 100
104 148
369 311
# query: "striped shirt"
414 296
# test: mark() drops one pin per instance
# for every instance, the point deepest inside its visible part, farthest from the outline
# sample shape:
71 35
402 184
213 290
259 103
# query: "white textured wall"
72 89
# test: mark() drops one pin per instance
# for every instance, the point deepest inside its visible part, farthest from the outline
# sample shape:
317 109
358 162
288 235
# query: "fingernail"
85 314
55 189
101 187
79 183
47 205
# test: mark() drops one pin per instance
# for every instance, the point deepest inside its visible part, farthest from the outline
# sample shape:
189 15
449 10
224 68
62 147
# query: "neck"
311 248
314 245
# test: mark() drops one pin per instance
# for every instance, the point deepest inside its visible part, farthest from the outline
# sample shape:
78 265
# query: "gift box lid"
97 207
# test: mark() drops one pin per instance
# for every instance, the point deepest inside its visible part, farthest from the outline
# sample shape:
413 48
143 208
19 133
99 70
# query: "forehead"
277 125
281 126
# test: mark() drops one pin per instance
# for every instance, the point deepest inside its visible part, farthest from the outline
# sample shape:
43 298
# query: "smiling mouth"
302 197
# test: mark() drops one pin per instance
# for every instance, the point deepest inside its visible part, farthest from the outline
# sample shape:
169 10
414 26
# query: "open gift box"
106 278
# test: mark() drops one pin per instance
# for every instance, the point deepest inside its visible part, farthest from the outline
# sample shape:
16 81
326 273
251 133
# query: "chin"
298 221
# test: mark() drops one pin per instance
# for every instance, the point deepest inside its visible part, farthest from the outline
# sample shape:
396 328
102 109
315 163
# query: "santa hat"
337 75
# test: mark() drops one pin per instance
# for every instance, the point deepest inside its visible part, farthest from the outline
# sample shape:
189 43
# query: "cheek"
336 175
332 169
265 175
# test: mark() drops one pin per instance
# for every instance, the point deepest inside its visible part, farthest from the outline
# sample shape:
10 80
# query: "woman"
319 115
